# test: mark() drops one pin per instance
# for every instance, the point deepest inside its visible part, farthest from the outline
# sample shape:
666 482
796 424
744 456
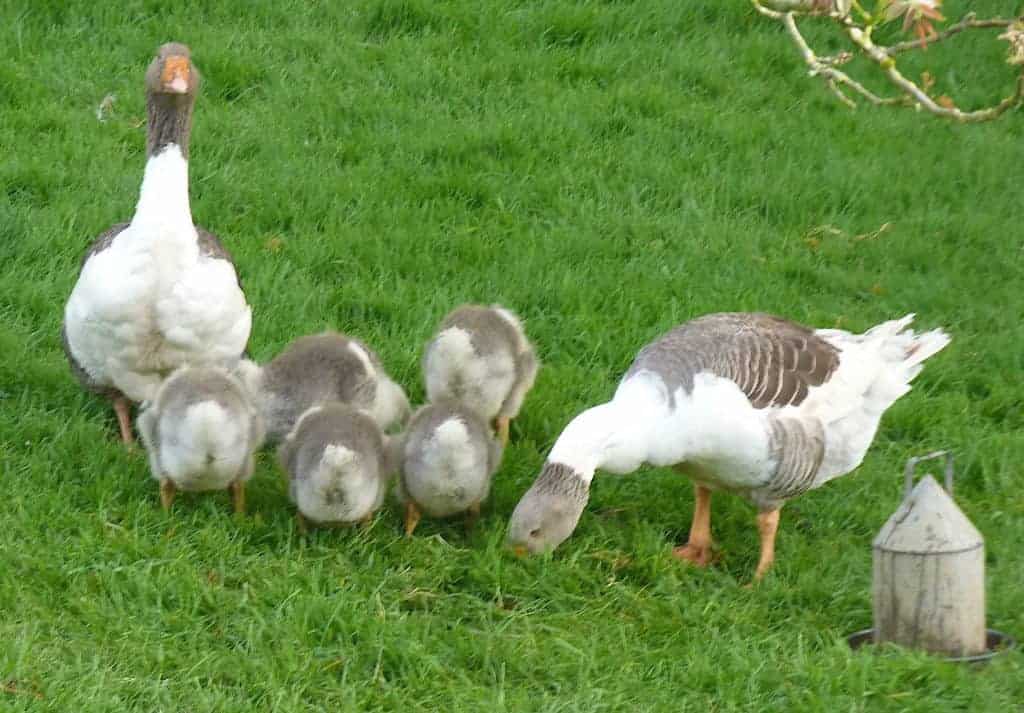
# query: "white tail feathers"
450 451
452 434
901 345
452 349
926 345
338 458
205 422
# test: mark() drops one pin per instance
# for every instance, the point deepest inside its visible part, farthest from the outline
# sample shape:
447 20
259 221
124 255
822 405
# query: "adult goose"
746 403
158 292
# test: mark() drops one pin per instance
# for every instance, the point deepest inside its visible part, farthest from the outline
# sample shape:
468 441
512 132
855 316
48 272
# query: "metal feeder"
929 576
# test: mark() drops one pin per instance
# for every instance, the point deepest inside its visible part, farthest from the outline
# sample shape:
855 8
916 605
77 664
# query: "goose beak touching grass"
745 403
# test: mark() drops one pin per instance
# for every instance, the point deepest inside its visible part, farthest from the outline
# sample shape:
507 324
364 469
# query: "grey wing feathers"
774 362
798 447
211 246
103 241
98 245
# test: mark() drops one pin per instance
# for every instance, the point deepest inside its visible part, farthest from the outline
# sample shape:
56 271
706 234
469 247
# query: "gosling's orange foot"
698 555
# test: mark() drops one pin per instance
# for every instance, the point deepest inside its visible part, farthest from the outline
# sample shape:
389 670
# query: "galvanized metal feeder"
929 576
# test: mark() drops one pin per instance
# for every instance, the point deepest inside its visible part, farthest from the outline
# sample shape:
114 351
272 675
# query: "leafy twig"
917 14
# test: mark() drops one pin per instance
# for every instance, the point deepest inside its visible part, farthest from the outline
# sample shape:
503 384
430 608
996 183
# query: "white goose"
747 403
157 292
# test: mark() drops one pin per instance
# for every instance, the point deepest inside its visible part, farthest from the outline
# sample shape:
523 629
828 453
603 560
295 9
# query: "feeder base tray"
996 642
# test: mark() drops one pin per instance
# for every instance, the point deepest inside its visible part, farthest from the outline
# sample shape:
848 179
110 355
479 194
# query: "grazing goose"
447 458
481 358
747 403
318 369
201 431
338 463
157 292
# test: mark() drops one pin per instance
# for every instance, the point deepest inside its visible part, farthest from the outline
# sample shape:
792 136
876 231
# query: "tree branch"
969 22
833 76
888 66
911 94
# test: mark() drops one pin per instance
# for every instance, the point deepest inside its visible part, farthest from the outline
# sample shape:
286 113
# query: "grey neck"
170 122
562 480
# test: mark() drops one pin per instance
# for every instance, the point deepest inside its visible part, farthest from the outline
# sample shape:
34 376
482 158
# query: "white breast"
150 302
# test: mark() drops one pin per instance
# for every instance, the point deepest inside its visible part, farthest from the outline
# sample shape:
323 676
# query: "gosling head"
549 511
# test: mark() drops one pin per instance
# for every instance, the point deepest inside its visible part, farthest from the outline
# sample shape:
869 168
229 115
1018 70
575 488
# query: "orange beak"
520 551
176 74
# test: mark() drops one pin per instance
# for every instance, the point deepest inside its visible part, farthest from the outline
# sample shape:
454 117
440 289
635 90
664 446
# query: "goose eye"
535 532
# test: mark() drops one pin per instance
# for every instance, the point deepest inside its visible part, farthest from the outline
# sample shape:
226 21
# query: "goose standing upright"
158 292
481 358
747 403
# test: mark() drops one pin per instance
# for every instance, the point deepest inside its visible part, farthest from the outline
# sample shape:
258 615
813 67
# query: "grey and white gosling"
447 459
322 368
481 358
338 465
201 431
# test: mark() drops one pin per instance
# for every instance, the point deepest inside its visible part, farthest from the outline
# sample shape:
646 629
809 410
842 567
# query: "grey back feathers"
338 464
201 429
324 368
447 459
774 362
481 357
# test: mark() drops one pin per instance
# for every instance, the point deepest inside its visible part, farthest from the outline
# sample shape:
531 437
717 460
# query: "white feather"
450 473
203 450
716 429
339 489
150 302
455 371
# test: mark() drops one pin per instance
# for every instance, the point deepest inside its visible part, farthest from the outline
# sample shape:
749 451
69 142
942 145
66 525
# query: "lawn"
607 170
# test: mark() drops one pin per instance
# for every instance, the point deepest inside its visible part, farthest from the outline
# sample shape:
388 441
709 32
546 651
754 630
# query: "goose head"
549 511
171 72
172 82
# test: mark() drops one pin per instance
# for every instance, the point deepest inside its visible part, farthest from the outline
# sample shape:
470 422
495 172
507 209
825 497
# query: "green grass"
608 170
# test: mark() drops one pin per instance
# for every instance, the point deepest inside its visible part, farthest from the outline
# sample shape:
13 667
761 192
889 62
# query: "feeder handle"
912 465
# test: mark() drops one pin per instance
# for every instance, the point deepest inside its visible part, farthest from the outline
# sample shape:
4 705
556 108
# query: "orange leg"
166 493
501 426
767 526
237 490
123 409
412 518
698 549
